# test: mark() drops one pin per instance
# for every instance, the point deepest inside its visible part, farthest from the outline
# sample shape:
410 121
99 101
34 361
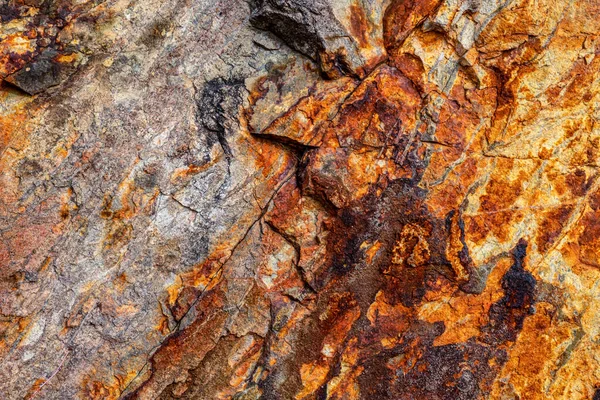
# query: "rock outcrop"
299 199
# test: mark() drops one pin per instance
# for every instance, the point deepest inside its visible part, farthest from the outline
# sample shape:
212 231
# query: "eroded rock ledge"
294 199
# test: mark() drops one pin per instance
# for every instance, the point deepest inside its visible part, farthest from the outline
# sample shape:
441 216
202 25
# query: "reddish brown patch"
188 347
11 127
401 17
97 390
411 66
551 226
578 182
358 25
500 194
190 170
35 388
589 239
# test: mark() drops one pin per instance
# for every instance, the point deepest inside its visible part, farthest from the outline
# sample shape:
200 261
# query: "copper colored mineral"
300 199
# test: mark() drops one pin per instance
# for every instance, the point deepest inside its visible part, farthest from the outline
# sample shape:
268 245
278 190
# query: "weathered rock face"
294 199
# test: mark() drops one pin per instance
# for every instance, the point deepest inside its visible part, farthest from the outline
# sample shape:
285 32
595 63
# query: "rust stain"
358 24
190 170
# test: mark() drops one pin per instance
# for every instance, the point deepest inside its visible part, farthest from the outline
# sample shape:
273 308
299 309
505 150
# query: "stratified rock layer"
332 199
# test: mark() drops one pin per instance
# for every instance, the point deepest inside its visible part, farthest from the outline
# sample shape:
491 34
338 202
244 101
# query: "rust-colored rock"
332 199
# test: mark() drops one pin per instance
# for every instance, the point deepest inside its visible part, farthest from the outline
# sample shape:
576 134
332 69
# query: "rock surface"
299 199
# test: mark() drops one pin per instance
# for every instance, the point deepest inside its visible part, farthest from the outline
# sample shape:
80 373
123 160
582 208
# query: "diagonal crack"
264 210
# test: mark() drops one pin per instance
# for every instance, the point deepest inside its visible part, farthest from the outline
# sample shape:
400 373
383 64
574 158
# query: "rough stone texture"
299 199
